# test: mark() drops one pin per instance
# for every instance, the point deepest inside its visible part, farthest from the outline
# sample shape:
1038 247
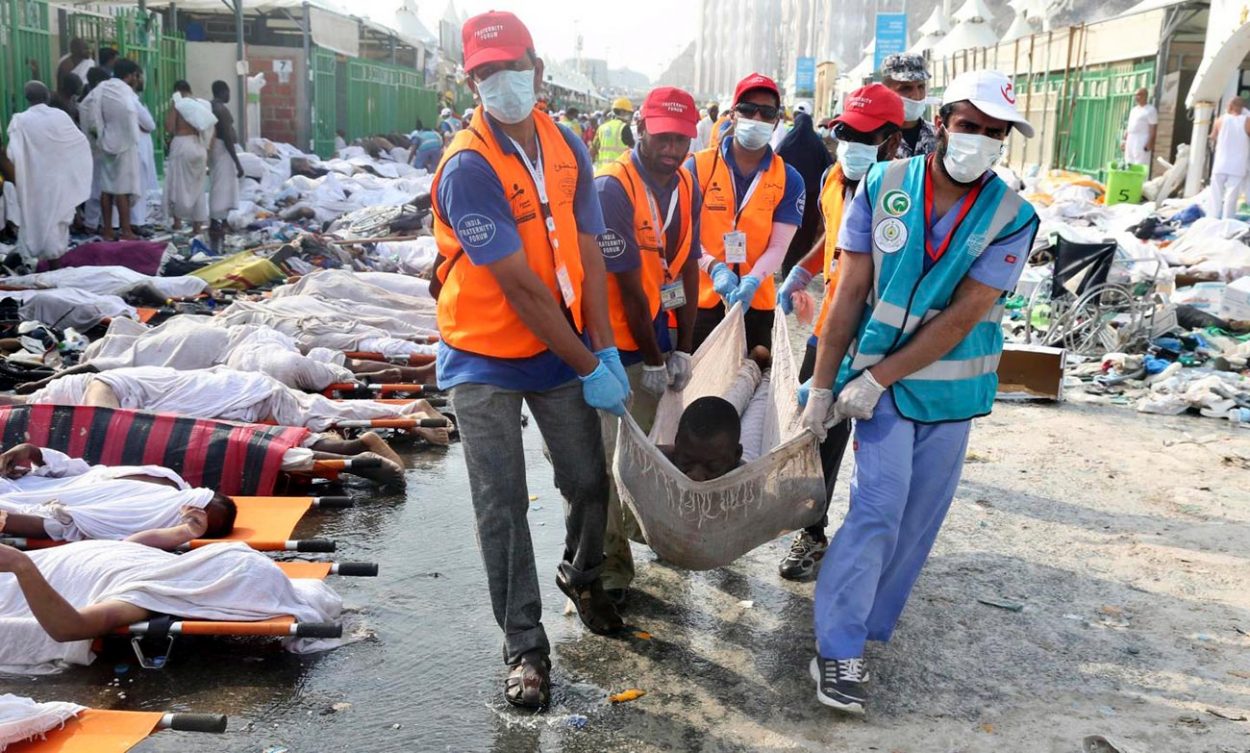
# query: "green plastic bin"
1124 183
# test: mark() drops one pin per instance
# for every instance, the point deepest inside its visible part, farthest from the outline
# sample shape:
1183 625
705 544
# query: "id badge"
736 247
673 295
566 285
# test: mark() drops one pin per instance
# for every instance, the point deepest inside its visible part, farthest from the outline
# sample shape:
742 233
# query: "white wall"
208 62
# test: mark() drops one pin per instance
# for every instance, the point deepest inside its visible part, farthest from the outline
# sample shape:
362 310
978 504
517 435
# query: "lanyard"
661 239
733 184
540 185
965 206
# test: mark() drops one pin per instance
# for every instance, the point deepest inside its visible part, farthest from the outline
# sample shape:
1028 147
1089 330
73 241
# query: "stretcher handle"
404 387
314 545
365 463
357 569
333 503
214 723
318 630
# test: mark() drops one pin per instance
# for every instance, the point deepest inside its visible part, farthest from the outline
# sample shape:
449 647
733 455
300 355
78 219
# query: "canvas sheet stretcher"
103 731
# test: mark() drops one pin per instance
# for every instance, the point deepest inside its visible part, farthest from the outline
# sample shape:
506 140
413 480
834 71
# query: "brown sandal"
529 683
596 609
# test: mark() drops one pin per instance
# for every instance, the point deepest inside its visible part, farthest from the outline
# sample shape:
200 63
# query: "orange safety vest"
719 128
650 243
756 220
473 313
832 202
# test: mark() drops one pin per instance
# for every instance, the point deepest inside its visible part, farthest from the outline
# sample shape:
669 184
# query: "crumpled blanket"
23 718
226 582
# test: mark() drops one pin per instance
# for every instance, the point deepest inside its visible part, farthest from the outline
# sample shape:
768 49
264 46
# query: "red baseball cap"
494 37
870 107
755 81
670 110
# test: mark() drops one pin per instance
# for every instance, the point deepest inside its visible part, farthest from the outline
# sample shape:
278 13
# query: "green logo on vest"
896 203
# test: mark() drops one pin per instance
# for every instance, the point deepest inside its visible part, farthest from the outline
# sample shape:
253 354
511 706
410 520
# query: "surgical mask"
967 156
508 95
856 158
913 109
752 134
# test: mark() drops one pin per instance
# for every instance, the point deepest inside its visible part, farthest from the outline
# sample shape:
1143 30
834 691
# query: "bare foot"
377 445
434 436
390 472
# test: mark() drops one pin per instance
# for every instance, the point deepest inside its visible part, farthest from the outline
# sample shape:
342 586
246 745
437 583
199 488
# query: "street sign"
805 77
891 37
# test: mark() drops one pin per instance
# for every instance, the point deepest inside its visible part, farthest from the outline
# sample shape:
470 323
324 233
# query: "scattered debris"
625 696
1010 606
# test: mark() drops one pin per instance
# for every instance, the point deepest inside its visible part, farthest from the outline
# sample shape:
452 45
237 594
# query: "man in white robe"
115 120
52 162
189 123
151 184
224 169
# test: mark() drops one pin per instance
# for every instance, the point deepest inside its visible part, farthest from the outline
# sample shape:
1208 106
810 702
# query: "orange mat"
264 523
309 570
95 731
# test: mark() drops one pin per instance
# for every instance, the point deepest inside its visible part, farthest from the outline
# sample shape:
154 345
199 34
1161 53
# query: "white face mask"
856 158
969 155
752 134
913 109
508 95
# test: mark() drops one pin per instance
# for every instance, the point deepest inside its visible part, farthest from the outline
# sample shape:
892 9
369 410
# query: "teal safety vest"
960 385
611 145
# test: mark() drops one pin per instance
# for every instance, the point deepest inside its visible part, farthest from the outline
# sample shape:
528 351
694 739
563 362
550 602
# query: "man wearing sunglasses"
752 207
651 251
868 132
910 350
523 318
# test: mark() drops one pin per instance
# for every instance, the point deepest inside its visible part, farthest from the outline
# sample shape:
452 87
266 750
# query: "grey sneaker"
804 557
840 683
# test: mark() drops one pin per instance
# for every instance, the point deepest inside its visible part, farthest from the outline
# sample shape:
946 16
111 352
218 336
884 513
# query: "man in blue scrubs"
910 351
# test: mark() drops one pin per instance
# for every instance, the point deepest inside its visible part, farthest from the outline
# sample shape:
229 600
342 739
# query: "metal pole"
310 82
240 94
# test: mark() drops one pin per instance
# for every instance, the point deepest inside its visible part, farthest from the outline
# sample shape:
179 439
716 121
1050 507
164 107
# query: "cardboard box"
1235 306
1031 372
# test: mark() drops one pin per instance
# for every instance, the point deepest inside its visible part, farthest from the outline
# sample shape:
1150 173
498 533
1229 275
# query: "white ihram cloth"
1140 119
53 163
369 297
223 582
22 718
150 187
109 280
198 342
219 393
70 307
185 171
87 508
60 471
223 194
112 113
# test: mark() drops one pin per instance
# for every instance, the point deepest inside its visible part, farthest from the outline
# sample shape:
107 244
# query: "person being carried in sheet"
707 445
47 495
54 602
224 394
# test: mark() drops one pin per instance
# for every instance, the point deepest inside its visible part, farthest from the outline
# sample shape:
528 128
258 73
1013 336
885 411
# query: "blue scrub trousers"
905 478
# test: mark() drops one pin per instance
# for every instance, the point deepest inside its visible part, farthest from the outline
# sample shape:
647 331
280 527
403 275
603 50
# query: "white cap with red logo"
990 92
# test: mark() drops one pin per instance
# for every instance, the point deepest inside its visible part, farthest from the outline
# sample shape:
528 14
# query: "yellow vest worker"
651 249
752 207
614 137
522 313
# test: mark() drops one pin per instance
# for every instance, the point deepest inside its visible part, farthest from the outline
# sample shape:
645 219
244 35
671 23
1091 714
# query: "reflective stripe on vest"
473 313
650 246
960 385
755 219
611 145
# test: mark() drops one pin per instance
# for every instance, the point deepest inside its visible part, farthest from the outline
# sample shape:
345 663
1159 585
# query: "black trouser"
759 326
831 450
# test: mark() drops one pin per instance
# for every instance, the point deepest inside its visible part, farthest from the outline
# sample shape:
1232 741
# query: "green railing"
384 98
25 52
325 102
1096 108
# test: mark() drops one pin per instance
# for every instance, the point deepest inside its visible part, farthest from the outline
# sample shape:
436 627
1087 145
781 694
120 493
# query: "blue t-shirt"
789 211
471 200
999 266
620 243
426 141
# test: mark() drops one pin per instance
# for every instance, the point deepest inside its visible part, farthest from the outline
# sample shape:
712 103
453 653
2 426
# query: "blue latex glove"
805 389
795 281
745 292
611 357
602 391
724 281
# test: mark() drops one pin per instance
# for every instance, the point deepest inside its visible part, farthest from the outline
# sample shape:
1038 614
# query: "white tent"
972 32
931 32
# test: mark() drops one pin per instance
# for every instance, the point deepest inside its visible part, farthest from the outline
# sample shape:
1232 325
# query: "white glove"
655 379
818 413
679 370
859 397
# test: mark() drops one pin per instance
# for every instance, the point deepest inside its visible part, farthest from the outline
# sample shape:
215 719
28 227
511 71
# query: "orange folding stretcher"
169 628
414 359
263 523
100 731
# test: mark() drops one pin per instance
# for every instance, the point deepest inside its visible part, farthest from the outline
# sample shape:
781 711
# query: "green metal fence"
384 98
25 51
1095 109
325 101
